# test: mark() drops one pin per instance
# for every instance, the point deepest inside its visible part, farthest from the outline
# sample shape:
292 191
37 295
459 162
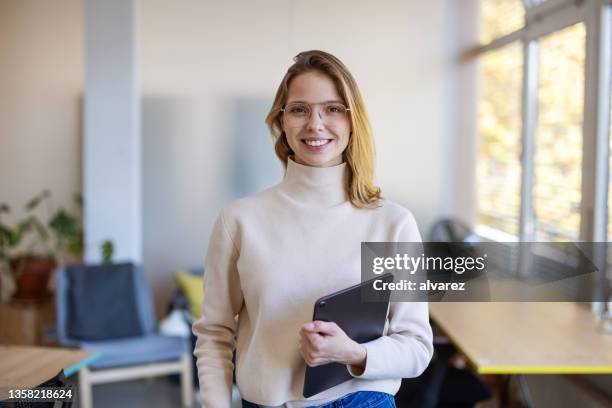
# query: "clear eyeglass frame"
327 113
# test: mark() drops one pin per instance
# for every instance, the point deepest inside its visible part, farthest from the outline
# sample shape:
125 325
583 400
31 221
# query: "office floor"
151 393
162 393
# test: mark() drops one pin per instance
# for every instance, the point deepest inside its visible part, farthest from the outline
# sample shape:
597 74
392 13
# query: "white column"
112 141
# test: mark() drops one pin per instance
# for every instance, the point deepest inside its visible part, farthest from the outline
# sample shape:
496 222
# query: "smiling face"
319 142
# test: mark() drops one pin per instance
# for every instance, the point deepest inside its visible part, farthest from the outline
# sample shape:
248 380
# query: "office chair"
107 308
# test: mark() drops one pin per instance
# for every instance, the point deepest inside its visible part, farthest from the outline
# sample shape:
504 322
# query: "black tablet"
361 321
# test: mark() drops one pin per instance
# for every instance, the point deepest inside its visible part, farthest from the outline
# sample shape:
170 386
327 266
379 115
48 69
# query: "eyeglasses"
297 114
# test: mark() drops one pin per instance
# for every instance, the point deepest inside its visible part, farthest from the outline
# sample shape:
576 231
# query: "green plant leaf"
40 228
64 224
107 251
34 202
6 236
76 245
13 239
19 231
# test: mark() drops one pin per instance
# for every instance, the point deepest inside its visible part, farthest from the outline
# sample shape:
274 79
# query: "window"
558 137
609 238
607 33
540 165
500 17
499 122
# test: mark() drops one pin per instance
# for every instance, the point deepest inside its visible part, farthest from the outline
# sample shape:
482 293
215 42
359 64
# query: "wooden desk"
26 367
526 338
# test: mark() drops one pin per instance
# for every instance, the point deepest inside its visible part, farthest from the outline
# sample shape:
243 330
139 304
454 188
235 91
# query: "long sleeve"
407 348
215 330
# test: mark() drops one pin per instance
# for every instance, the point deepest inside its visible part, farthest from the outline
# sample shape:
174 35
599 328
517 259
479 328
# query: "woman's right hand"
325 342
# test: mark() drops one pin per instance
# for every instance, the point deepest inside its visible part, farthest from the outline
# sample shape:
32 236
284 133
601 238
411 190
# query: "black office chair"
449 230
442 386
59 382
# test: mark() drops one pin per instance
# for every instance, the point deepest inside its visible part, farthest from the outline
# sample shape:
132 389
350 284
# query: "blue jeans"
359 399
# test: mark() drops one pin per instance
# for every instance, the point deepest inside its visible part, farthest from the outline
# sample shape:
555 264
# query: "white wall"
41 83
202 61
463 35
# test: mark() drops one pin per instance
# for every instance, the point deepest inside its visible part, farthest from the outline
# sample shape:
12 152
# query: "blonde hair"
359 154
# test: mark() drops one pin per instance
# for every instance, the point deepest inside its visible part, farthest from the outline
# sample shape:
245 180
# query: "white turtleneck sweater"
271 256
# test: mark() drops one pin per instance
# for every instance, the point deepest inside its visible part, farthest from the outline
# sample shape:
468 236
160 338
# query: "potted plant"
67 229
32 249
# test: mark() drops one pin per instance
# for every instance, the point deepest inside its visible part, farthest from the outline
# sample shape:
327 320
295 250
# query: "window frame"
541 19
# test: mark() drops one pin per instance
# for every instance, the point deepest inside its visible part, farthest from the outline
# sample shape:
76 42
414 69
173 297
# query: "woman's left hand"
325 342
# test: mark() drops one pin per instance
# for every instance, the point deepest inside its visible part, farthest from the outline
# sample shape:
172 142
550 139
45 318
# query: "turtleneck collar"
323 186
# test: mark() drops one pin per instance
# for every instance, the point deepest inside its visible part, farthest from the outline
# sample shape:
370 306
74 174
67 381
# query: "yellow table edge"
483 369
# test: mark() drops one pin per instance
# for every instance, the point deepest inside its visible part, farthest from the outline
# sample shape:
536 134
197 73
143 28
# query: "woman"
271 255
